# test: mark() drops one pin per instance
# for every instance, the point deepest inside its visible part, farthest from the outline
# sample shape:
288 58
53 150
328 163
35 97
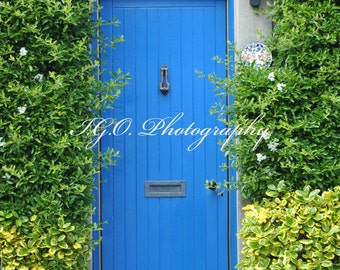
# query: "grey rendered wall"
247 22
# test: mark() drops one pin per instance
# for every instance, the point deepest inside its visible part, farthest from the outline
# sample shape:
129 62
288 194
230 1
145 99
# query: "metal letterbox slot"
166 189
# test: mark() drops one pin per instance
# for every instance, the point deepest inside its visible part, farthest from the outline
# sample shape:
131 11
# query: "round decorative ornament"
256 54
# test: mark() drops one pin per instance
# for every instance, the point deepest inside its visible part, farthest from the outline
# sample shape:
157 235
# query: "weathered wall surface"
247 22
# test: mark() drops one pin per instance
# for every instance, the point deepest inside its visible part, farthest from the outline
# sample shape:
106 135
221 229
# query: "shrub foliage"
297 99
292 230
293 174
47 91
287 118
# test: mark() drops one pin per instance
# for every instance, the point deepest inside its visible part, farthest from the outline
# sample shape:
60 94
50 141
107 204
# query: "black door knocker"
164 85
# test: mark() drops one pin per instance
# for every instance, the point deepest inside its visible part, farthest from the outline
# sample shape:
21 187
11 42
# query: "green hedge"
288 161
298 97
292 230
47 91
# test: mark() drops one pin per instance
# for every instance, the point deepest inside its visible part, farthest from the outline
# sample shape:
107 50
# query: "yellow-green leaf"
54 241
76 246
61 237
60 255
306 241
23 252
63 245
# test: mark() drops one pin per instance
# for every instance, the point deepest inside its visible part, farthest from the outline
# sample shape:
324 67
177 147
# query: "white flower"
71 132
39 77
271 76
23 51
272 145
260 157
6 176
265 135
1 142
280 86
21 109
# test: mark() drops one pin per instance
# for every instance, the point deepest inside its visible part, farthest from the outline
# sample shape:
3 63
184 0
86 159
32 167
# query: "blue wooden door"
177 224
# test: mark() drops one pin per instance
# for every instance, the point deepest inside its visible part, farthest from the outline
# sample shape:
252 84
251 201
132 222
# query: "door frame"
232 228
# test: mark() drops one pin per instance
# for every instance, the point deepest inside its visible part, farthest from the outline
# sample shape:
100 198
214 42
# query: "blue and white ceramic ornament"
256 54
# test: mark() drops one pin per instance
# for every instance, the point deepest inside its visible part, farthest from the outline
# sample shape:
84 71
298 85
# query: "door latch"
164 85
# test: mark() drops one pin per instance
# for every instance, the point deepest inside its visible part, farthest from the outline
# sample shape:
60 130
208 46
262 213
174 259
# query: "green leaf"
263 264
54 231
329 256
53 250
60 222
18 222
54 241
60 255
61 238
253 244
63 245
272 193
69 229
289 221
23 252
314 193
8 250
327 263
334 229
318 217
337 252
306 241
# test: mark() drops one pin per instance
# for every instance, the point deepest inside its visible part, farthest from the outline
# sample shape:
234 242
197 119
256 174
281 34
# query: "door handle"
164 85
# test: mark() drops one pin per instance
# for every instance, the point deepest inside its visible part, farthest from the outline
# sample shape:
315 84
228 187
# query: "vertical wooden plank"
153 141
129 156
116 256
177 204
199 174
187 89
142 146
164 40
211 159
